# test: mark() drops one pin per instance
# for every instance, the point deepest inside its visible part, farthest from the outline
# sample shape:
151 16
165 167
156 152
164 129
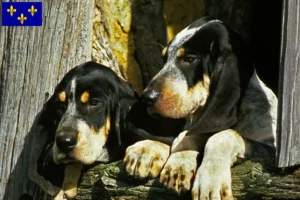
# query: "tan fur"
206 81
177 101
85 97
107 126
146 158
69 187
178 139
180 52
90 144
164 51
62 96
59 196
104 129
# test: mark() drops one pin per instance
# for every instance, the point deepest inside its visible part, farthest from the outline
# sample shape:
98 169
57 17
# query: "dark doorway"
265 40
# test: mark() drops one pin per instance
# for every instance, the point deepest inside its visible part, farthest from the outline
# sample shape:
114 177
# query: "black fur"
221 53
116 99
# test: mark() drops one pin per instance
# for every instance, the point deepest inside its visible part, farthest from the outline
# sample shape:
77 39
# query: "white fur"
146 158
187 33
257 119
90 146
72 103
179 170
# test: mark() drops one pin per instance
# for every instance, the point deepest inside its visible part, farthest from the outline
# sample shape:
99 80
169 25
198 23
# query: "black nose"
149 97
66 141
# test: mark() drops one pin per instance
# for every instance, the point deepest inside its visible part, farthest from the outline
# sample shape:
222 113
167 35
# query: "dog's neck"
193 117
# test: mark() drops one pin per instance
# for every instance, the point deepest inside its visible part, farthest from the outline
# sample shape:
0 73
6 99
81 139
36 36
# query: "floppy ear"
122 98
131 117
42 169
231 68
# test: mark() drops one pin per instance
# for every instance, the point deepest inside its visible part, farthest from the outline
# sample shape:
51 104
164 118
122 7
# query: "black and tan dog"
93 115
209 79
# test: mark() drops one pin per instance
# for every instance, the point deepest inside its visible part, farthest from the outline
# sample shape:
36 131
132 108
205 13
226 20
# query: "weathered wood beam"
253 179
32 61
288 150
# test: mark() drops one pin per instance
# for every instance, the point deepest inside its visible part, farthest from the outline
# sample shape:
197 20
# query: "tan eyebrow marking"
85 97
62 96
180 52
164 51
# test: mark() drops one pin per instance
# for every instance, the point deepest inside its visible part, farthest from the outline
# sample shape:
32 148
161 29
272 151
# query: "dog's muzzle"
66 140
149 97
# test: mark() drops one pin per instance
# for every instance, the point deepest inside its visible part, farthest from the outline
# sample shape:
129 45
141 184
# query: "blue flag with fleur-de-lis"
22 14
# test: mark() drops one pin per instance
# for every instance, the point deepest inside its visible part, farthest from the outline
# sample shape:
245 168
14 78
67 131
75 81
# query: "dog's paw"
179 171
66 195
59 196
213 182
145 159
70 193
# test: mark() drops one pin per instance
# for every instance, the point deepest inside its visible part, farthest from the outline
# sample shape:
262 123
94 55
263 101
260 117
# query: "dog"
209 79
92 116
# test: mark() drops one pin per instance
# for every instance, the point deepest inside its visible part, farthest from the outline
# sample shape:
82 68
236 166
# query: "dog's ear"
230 68
123 96
42 169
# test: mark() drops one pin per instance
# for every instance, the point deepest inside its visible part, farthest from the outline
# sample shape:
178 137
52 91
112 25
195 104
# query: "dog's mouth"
65 158
153 113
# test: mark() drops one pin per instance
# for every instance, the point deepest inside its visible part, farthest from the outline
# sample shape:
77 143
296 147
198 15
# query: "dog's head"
207 67
85 114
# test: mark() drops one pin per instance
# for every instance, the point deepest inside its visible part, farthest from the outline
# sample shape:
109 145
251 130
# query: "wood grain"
32 61
288 151
253 179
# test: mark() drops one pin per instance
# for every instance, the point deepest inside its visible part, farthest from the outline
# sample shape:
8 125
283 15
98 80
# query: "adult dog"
93 115
209 79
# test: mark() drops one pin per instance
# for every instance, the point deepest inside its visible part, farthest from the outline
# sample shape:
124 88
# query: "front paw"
179 171
213 182
70 193
60 195
145 159
66 195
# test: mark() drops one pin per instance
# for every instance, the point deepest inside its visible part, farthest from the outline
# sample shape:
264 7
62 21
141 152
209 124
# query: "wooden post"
32 61
288 140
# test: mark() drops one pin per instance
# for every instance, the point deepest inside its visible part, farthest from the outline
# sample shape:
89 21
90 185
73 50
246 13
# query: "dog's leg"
181 166
213 178
146 158
69 187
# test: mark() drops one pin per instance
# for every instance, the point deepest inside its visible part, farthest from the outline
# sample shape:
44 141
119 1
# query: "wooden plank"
253 179
32 60
288 140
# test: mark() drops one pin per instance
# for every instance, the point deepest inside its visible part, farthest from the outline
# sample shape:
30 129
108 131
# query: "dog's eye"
190 58
94 102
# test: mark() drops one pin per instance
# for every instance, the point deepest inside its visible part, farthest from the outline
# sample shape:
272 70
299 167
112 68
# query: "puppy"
92 116
209 79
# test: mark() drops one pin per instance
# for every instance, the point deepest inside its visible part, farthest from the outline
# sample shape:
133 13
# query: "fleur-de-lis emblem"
32 10
11 10
22 18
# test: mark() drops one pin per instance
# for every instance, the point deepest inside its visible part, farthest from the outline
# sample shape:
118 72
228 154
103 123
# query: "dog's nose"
66 142
149 97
